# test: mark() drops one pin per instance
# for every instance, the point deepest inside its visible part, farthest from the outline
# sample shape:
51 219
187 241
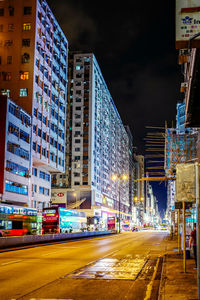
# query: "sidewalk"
175 284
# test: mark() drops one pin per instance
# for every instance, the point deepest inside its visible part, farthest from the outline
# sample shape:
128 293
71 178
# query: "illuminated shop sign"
187 23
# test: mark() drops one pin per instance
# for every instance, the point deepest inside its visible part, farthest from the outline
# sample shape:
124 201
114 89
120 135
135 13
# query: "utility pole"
179 244
184 250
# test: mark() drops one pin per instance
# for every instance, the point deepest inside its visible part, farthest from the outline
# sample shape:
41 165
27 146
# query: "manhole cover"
111 268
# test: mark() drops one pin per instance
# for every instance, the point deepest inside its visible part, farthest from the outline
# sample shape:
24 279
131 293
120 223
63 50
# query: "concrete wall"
6 242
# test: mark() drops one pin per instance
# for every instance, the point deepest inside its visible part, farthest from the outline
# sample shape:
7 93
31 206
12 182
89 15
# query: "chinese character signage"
187 23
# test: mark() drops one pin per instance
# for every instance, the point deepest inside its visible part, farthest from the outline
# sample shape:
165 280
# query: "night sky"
134 43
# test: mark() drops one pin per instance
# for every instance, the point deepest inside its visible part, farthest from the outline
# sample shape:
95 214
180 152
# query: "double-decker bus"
16 220
62 220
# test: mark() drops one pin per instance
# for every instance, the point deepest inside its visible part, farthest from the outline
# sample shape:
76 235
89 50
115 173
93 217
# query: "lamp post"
119 178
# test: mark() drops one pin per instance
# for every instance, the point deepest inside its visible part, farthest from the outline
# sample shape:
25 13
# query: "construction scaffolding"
180 147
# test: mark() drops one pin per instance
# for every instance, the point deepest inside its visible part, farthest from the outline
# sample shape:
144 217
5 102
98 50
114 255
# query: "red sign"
60 194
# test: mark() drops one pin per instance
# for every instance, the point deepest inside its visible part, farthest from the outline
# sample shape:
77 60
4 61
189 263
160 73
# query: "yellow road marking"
150 285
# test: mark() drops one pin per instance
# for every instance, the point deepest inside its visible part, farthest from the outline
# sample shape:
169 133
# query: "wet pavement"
127 268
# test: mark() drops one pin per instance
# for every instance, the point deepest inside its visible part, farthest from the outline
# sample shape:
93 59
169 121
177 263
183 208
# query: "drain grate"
111 268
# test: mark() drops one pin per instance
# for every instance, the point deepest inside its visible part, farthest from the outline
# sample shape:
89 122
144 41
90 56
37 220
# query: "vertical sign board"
187 23
185 182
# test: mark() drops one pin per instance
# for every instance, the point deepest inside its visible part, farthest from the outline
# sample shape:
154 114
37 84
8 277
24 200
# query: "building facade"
33 73
15 166
98 144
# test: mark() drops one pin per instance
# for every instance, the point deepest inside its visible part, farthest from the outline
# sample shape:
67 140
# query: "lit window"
27 26
6 76
23 92
24 75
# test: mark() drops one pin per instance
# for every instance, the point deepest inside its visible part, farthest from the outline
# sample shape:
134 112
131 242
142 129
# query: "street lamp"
119 178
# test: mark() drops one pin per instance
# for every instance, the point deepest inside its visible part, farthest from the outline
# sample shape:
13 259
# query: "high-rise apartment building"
33 73
97 146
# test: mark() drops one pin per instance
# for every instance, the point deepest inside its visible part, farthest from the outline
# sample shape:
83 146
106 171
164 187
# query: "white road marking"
71 247
50 253
10 262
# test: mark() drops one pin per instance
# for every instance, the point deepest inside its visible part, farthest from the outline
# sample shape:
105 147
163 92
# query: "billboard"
79 199
185 182
187 23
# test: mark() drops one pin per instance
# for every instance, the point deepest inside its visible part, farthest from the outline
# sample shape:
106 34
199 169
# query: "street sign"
179 205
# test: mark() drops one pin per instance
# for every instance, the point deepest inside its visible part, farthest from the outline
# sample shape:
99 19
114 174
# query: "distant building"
138 190
97 146
33 73
131 168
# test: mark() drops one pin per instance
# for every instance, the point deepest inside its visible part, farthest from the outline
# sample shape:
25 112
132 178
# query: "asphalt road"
122 266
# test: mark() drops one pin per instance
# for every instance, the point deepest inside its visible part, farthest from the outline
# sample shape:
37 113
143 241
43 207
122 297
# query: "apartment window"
16 169
1 12
76 183
25 58
35 112
38 148
9 60
39 132
11 11
23 92
10 27
8 43
13 148
77 141
43 151
24 136
34 146
1 27
78 149
27 10
13 129
6 76
34 172
26 26
77 157
26 42
24 75
15 187
34 188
